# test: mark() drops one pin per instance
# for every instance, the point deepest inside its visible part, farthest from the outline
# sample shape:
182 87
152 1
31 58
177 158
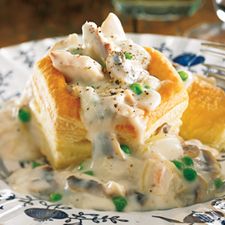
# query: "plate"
16 65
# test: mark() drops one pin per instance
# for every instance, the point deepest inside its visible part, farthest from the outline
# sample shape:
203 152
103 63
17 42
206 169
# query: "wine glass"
220 9
156 10
210 31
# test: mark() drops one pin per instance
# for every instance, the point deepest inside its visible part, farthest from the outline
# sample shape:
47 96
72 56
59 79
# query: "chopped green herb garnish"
136 88
89 172
24 114
128 55
36 164
218 183
76 51
120 203
183 75
187 161
146 86
55 197
178 164
81 166
189 174
125 149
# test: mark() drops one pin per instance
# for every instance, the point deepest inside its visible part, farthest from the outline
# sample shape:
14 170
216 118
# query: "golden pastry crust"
57 113
204 118
59 118
174 98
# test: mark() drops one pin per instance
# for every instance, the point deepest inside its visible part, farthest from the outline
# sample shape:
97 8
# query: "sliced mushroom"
110 188
46 183
201 190
191 150
212 163
84 185
141 198
108 145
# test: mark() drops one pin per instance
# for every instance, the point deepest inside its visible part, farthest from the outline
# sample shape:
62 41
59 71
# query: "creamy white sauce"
190 79
16 141
148 183
148 180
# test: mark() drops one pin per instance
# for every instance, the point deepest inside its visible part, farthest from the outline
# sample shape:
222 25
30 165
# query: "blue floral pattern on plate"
189 59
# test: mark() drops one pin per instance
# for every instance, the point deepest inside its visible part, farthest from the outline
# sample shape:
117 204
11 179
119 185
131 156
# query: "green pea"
128 55
183 75
125 149
120 203
136 88
55 197
187 161
189 174
24 114
218 183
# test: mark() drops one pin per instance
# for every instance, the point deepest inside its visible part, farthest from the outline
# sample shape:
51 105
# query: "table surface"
24 20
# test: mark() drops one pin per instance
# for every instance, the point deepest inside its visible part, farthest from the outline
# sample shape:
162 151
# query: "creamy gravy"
148 181
17 141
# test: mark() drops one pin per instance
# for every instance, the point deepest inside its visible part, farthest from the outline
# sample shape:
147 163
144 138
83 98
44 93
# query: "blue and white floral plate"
16 65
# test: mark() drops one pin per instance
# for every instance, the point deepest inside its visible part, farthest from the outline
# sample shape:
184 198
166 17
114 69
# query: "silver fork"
213 70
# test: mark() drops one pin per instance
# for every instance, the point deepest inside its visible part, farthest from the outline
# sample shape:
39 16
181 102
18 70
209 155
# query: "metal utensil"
213 70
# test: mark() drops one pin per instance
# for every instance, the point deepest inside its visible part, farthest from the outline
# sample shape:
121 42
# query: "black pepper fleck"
112 92
117 82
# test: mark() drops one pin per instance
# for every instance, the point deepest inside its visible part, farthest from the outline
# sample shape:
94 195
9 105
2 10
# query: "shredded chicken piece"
76 67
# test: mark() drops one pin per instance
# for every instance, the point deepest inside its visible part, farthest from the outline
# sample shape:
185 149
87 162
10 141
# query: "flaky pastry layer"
204 118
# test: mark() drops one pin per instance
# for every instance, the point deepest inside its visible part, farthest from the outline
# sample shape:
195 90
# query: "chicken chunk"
77 68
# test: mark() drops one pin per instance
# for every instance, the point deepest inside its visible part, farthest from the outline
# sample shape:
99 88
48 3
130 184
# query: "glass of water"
163 10
167 10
